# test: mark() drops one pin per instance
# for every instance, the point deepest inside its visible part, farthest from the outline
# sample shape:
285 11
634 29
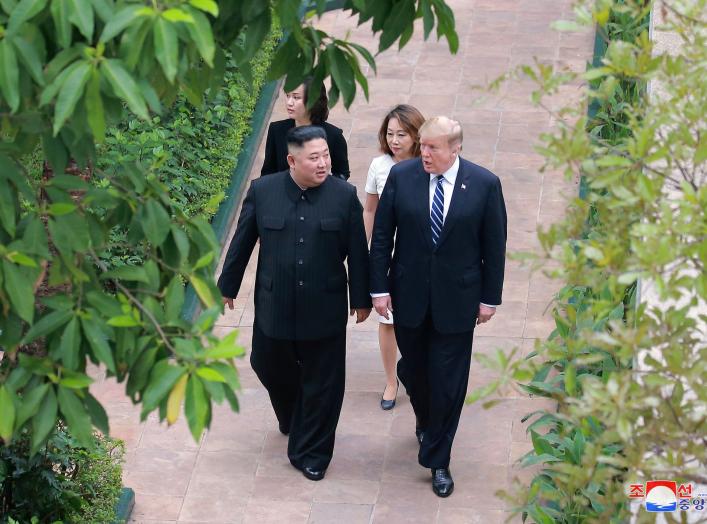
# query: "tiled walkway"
239 471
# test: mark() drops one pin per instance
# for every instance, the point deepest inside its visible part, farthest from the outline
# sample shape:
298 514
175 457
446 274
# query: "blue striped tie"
437 211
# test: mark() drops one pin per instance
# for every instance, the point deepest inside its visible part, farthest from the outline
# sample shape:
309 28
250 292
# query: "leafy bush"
628 373
194 149
62 482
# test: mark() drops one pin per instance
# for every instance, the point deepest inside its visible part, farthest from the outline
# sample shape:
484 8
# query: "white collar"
450 175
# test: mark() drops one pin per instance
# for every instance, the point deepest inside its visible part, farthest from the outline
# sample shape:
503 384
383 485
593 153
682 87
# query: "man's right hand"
383 305
228 301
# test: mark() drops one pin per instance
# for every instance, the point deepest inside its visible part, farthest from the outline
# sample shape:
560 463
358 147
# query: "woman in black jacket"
296 104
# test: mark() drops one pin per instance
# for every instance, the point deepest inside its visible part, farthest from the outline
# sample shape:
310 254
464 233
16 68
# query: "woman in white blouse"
399 140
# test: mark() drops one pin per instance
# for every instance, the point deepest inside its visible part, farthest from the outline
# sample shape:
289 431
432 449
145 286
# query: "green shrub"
195 149
62 482
628 375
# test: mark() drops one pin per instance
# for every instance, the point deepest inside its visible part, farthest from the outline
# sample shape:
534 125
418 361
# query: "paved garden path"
239 472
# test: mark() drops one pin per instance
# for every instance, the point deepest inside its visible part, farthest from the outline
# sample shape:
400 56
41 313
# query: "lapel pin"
463 186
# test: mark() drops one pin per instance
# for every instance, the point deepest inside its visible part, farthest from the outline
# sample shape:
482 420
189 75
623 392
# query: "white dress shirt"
450 178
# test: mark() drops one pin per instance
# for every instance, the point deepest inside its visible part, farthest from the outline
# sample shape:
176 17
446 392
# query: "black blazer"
465 268
305 237
276 149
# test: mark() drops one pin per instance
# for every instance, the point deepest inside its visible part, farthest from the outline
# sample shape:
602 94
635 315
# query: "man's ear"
290 160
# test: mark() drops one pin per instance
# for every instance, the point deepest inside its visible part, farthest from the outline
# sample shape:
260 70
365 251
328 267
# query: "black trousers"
435 375
305 380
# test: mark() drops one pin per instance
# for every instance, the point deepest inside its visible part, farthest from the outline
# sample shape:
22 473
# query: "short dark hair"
320 110
411 121
298 136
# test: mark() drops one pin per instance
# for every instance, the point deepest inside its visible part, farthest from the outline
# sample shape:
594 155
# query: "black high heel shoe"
389 404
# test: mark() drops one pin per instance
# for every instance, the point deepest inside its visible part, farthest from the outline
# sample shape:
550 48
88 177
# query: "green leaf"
8 208
44 421
47 324
24 10
163 377
99 345
61 208
401 16
98 415
70 344
226 348
204 261
255 33
155 222
427 17
208 6
341 74
75 415
29 403
166 48
176 396
201 34
105 9
55 152
73 380
29 58
21 259
9 75
124 86
174 299
140 371
70 93
120 21
52 89
62 25
196 407
7 414
81 15
20 290
129 273
177 15
203 291
94 107
123 321
210 374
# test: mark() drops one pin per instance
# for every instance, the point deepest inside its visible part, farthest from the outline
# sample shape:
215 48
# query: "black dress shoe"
389 404
285 430
313 474
442 483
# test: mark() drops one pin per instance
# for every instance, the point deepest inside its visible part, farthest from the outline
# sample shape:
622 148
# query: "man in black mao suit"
446 219
309 224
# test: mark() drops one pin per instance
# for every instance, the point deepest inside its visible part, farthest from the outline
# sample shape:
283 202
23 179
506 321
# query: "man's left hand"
361 314
485 314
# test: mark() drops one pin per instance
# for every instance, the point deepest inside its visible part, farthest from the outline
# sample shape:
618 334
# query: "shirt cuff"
487 305
376 295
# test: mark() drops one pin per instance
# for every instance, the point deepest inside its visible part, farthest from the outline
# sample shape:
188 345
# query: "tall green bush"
65 481
195 147
628 372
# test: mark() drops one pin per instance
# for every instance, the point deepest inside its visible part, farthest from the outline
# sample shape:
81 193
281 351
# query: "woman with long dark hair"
296 105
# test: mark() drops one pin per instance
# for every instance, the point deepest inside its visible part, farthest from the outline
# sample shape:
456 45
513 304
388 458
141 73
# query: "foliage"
628 372
69 70
195 149
63 482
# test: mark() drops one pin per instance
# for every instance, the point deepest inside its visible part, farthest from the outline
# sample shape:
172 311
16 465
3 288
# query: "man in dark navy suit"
446 219
309 224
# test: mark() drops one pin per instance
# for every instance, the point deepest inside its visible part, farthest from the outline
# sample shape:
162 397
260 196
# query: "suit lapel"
422 197
458 193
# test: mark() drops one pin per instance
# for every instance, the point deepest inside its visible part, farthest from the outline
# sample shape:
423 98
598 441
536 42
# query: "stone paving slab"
239 472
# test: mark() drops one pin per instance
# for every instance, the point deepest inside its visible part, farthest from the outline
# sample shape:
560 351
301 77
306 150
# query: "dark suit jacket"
276 149
305 237
467 265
